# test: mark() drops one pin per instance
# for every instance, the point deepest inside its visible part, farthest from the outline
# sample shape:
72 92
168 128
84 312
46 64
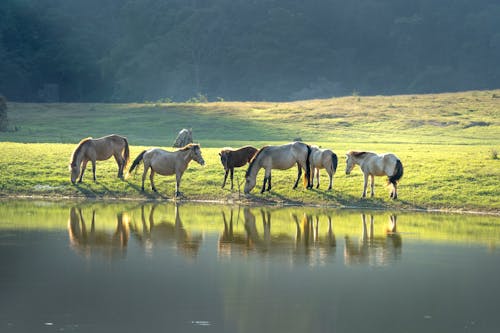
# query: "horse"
278 157
323 159
99 150
167 163
373 164
235 158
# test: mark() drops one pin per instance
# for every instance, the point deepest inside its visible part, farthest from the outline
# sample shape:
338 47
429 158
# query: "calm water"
192 268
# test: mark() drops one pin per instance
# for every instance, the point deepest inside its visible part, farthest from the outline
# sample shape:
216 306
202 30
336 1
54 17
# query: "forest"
261 50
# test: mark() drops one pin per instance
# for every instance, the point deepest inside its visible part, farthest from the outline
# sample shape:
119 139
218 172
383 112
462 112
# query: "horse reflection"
154 233
90 242
262 241
309 240
374 250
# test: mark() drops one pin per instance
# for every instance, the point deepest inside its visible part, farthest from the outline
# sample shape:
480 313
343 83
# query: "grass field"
445 141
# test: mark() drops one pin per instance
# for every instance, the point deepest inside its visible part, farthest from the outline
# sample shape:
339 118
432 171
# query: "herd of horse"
281 157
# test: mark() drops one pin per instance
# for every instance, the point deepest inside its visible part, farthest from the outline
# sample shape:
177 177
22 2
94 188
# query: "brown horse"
278 157
168 163
99 150
235 158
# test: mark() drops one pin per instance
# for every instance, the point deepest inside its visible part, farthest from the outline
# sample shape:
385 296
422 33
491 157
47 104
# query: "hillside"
447 142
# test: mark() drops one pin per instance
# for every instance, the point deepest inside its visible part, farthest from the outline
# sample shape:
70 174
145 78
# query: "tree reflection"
97 242
152 233
371 249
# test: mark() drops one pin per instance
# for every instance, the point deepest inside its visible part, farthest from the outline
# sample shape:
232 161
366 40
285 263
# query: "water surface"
193 268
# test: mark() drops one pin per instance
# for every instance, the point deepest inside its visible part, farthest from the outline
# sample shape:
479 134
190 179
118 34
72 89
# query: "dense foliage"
137 50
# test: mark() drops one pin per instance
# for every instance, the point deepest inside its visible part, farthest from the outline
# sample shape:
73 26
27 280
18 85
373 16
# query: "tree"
4 121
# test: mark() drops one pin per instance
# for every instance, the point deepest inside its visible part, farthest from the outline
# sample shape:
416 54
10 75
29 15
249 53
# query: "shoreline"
249 202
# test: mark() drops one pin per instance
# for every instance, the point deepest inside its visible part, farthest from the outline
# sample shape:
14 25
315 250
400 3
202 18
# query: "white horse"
322 159
278 157
168 163
373 164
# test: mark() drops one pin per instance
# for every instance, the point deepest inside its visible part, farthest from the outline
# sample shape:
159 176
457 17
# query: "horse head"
249 183
74 168
349 163
196 154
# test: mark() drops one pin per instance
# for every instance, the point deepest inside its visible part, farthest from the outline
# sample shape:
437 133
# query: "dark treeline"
147 50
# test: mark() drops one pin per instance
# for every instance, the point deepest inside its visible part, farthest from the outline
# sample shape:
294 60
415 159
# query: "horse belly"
163 168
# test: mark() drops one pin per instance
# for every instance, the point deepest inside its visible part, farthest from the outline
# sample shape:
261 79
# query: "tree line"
172 50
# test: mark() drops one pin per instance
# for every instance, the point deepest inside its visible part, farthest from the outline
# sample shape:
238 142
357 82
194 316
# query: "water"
193 268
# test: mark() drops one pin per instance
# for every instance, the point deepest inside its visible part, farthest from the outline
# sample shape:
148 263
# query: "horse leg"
93 170
121 163
330 174
299 173
372 185
151 179
232 175
84 165
178 177
225 178
144 173
267 178
316 170
394 193
365 184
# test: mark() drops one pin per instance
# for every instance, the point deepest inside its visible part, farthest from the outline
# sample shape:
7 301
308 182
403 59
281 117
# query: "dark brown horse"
99 150
235 158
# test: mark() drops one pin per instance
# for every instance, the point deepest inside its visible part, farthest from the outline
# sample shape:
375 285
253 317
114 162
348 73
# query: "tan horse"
278 157
373 164
235 158
99 150
168 163
322 159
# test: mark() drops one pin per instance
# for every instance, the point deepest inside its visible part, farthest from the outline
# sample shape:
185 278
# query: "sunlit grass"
445 142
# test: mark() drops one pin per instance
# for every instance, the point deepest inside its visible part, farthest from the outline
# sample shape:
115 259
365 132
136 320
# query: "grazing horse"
278 157
235 158
373 164
99 150
168 163
323 159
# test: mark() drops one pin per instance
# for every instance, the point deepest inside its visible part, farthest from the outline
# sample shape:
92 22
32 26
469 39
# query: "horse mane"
253 160
188 146
356 153
79 148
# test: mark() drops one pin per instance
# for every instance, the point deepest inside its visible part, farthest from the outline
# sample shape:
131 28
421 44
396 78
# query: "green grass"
444 141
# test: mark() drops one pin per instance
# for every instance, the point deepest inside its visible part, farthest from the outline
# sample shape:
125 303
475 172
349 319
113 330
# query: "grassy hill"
447 143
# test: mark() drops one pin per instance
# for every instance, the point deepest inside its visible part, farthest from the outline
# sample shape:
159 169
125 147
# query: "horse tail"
137 160
335 162
308 165
126 153
398 173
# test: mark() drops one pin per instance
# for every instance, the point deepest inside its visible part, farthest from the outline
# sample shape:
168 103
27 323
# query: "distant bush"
199 98
494 154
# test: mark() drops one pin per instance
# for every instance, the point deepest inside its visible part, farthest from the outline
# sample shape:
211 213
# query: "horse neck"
186 155
79 153
255 166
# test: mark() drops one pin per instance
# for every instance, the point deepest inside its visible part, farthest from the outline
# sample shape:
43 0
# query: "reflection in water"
89 242
374 250
153 233
307 242
297 237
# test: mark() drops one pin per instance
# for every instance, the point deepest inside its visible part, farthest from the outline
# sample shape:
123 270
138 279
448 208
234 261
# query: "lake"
158 267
